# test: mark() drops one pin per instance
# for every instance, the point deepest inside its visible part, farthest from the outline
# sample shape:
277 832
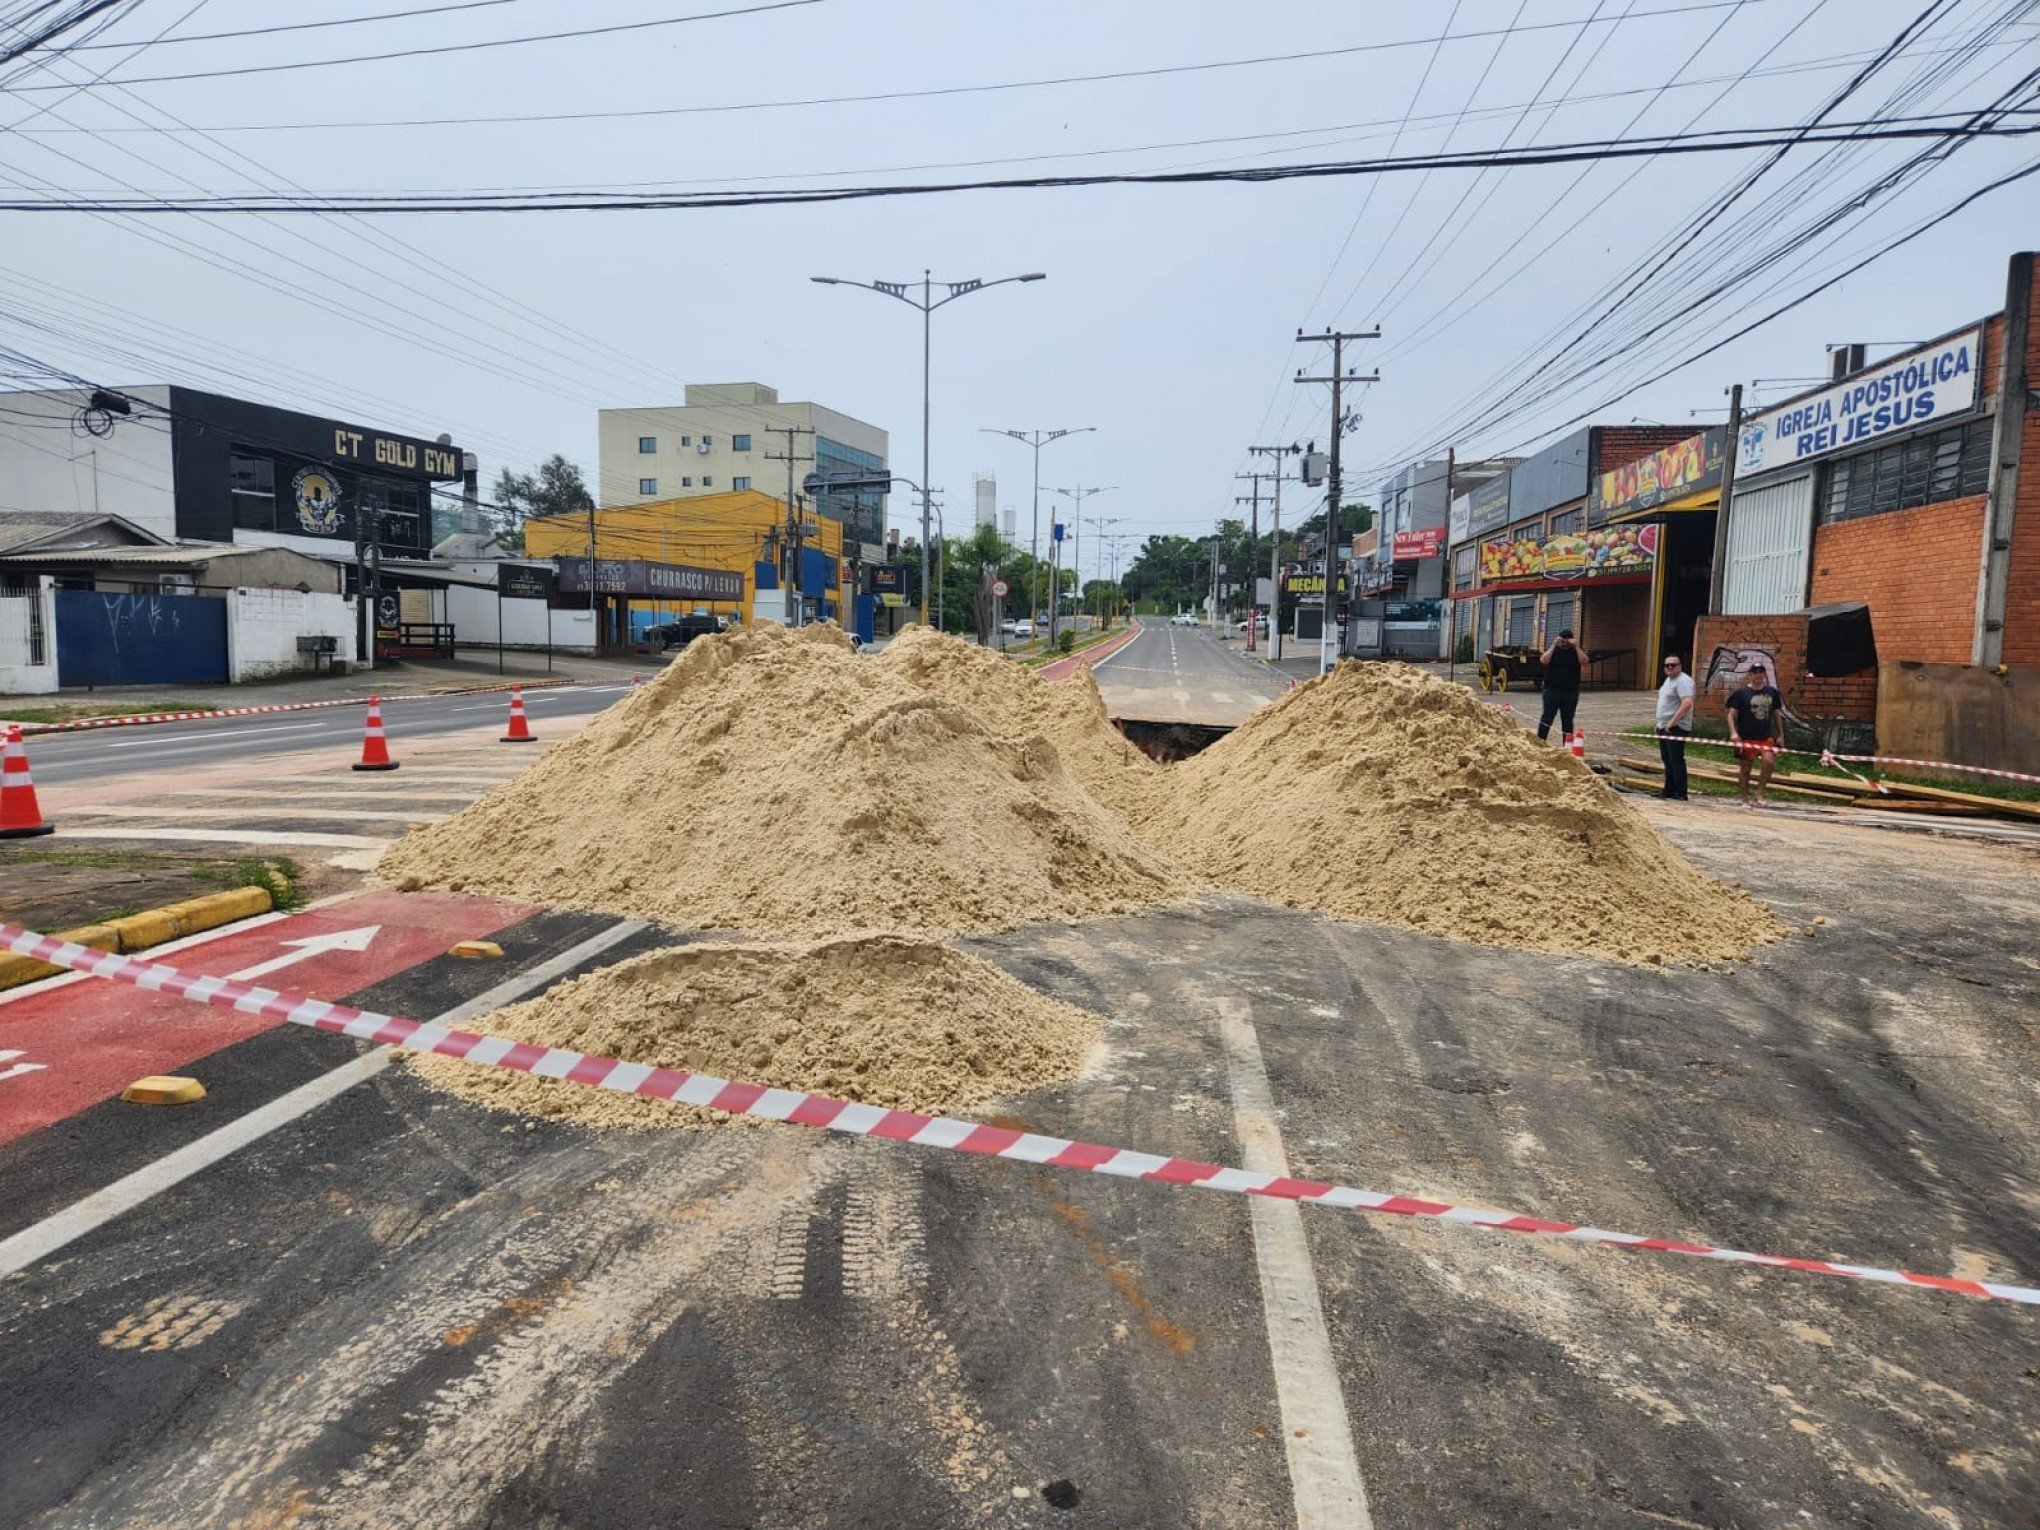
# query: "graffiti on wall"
1732 664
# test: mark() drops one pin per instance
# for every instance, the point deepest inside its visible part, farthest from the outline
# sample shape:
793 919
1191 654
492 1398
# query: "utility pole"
1341 374
591 575
790 581
1253 544
1717 572
1275 549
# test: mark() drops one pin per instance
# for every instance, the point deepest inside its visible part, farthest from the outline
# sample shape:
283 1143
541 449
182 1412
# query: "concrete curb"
222 714
151 927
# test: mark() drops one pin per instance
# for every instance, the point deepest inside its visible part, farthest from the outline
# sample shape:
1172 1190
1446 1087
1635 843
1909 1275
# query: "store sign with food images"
1603 555
1688 467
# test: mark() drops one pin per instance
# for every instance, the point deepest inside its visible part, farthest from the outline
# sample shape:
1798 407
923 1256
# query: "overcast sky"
1168 318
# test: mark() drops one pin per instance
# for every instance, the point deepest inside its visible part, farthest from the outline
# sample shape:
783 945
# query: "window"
1463 571
687 440
707 442
253 483
740 443
648 486
648 446
686 482
1567 522
740 483
396 512
1943 464
707 481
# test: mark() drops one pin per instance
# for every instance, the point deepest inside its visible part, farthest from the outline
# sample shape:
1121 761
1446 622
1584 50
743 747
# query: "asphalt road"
400 1309
1171 674
69 759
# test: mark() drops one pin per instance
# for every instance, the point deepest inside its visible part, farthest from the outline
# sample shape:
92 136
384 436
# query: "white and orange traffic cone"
1576 745
375 748
19 816
636 681
520 727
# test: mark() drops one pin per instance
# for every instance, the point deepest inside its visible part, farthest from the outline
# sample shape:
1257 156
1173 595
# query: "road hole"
1061 1494
1169 742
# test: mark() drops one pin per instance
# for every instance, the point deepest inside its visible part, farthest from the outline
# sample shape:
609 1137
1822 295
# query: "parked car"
1010 625
684 630
1023 628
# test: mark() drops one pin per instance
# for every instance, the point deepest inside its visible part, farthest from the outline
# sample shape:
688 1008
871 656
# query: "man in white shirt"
1674 726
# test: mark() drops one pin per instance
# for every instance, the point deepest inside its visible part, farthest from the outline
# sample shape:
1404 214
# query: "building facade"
732 437
200 467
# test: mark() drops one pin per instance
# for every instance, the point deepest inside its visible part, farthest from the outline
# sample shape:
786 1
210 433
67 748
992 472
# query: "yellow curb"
152 927
163 1089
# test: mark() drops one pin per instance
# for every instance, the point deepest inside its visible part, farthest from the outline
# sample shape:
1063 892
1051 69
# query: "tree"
556 488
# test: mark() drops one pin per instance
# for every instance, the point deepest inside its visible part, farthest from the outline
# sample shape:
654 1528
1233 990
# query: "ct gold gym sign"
393 452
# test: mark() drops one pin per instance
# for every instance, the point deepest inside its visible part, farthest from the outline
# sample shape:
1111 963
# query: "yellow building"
732 532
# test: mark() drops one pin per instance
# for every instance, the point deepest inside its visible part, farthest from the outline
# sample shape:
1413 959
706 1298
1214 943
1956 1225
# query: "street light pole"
927 303
1037 439
1077 496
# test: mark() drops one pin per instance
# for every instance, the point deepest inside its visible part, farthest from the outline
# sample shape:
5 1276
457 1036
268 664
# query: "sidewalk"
409 678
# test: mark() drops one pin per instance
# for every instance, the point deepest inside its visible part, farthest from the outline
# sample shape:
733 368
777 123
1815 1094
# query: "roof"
21 530
163 555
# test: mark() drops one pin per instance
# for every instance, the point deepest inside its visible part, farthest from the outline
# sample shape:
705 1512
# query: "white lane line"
395 813
1324 1472
38 1242
233 837
154 743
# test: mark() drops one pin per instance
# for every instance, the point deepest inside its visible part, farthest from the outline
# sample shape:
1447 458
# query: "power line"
946 90
306 26
1709 142
473 47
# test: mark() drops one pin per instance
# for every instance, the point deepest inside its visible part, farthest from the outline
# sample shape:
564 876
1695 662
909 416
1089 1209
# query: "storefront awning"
1708 500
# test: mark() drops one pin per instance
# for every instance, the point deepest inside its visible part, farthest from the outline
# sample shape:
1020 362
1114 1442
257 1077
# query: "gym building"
1881 552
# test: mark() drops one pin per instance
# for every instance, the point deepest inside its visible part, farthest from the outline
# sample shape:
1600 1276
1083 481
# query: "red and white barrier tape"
141 719
1829 757
898 1125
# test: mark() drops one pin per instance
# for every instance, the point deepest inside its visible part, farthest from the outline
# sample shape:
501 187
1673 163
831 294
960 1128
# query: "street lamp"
927 302
1078 495
1037 439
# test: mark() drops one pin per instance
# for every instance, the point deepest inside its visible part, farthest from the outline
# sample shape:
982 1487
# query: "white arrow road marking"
306 949
18 1068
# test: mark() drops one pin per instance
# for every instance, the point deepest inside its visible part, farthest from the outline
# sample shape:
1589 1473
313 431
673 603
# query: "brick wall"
1618 617
1916 569
1853 697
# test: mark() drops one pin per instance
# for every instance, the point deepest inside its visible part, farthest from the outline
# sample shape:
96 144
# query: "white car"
1183 619
1023 628
1009 625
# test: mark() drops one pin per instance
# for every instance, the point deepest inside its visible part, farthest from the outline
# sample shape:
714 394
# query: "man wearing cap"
1561 683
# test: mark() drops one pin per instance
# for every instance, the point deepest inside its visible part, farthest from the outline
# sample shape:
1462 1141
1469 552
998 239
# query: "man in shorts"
1754 724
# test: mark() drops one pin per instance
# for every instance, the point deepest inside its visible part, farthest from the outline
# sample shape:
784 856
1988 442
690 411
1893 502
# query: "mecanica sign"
1936 383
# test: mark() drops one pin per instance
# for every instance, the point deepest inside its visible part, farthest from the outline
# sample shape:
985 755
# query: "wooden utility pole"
1275 547
1253 545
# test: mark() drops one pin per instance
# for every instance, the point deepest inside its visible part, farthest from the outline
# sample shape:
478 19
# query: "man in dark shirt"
1561 683
1753 729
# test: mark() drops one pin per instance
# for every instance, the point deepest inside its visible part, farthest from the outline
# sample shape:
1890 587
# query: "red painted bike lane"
1093 655
67 1046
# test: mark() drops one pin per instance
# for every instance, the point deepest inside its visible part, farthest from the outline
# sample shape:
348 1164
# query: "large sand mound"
1069 713
778 783
882 1021
1381 793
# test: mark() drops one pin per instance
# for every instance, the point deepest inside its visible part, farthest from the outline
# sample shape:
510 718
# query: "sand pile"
884 1021
1069 713
776 782
1380 793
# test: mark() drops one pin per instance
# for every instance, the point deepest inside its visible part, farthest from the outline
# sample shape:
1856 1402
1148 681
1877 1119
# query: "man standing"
1561 683
1674 725
1752 721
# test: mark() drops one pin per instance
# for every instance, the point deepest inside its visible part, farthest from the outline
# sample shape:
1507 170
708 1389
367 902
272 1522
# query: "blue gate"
140 639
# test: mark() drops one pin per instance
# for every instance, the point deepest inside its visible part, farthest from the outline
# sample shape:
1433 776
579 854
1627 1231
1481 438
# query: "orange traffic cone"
520 730
1576 745
636 681
19 816
375 749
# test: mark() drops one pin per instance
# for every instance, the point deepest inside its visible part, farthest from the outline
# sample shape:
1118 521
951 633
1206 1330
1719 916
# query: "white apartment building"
733 436
987 500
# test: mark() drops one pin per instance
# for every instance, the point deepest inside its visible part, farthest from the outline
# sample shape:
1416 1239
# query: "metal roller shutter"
1769 531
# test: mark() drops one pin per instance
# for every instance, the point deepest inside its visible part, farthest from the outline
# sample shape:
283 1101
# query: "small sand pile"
1381 793
882 1021
1069 713
775 782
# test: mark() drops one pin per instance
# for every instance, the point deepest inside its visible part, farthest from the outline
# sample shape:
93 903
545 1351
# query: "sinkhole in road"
1168 742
